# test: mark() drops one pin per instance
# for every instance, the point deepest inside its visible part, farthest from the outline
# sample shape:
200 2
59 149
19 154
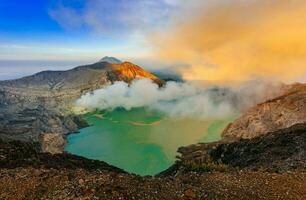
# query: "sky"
59 34
214 40
71 29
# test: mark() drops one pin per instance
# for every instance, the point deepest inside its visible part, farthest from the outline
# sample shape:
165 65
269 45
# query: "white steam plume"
180 100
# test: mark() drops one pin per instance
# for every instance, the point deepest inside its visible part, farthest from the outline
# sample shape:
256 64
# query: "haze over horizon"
203 40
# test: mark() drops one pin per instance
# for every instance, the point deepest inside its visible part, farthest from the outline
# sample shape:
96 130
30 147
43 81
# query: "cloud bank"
236 40
211 40
178 100
113 17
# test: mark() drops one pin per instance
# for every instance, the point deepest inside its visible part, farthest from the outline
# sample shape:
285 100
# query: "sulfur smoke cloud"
177 100
237 40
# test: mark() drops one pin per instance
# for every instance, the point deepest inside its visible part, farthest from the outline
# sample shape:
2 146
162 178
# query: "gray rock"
37 106
273 115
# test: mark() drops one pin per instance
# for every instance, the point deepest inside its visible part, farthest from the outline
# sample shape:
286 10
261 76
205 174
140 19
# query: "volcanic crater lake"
140 141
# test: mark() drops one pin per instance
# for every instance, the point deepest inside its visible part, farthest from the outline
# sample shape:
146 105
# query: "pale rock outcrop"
276 114
52 142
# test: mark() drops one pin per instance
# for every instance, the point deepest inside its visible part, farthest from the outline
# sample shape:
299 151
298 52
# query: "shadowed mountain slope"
38 108
86 77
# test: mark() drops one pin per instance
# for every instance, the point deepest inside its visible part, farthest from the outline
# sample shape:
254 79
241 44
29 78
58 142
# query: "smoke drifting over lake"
179 100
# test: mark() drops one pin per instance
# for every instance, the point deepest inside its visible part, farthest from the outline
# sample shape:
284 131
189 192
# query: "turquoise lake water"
140 141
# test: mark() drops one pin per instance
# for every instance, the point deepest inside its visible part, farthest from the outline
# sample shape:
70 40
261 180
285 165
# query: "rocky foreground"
270 167
31 183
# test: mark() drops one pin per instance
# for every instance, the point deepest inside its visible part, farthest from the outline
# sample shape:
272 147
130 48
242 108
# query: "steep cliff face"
278 113
39 105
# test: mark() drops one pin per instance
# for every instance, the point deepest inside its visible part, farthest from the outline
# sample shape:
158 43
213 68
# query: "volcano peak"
128 71
111 60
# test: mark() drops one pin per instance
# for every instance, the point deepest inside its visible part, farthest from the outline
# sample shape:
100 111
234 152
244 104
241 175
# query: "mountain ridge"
124 71
38 108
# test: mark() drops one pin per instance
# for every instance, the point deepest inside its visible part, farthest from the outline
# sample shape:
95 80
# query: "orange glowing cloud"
238 41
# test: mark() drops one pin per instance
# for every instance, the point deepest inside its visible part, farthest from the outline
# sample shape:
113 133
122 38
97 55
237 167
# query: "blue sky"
56 34
77 29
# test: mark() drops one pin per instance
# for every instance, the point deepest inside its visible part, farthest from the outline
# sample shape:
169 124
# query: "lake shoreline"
139 134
